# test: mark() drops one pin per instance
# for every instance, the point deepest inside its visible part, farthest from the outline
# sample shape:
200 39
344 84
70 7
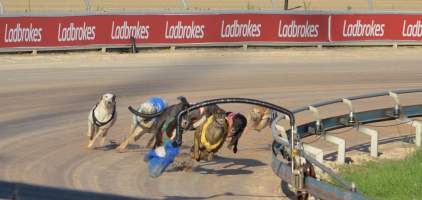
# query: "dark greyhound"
237 124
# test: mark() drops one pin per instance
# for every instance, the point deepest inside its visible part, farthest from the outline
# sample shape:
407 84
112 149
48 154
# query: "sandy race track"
45 101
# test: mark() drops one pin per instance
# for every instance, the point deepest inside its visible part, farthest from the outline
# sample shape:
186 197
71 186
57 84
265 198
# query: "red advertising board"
150 29
356 27
161 29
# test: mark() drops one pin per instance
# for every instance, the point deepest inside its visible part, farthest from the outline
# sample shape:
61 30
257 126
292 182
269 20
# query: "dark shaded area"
22 191
234 166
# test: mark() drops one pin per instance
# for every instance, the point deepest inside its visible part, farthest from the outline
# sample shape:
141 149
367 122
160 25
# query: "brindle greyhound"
192 121
210 136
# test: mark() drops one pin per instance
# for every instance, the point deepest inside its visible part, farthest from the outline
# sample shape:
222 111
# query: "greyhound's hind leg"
151 140
197 140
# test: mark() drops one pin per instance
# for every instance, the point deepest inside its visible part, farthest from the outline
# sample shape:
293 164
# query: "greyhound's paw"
103 141
210 157
121 150
90 145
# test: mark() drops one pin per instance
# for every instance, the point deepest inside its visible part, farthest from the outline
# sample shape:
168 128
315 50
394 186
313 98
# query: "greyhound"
210 137
165 120
141 125
101 118
237 125
261 117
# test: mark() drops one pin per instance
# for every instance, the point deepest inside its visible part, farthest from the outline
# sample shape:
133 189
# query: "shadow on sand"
232 166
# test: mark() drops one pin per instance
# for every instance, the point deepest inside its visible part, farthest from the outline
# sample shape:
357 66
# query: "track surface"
45 101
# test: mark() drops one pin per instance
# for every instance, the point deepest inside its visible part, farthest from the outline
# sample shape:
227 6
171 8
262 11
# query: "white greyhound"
101 118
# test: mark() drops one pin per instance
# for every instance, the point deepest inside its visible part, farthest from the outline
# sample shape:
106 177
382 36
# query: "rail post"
418 129
374 139
341 147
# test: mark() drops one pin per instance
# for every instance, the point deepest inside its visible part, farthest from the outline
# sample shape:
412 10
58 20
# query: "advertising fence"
37 32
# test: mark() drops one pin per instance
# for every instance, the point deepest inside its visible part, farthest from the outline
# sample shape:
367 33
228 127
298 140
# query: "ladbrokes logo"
412 30
236 29
182 31
21 33
125 31
72 33
359 29
294 30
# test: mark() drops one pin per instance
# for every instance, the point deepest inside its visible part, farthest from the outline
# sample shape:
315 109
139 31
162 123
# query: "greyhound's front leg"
122 147
197 140
151 140
91 131
103 136
210 156
99 132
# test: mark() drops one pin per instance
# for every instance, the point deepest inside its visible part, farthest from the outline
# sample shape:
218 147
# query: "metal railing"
320 126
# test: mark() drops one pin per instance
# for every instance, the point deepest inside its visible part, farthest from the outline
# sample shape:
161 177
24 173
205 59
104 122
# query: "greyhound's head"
256 114
220 118
108 100
238 125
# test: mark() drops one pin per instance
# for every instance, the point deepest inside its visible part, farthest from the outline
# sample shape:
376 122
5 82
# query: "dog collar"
97 122
230 118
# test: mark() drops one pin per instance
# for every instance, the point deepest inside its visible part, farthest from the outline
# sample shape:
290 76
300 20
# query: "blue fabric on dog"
159 103
160 158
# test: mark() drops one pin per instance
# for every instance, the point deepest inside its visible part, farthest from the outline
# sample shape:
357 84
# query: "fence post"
370 4
87 5
1 9
286 4
29 5
273 2
185 4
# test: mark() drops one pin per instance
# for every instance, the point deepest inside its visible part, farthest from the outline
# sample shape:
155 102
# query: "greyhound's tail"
183 100
143 115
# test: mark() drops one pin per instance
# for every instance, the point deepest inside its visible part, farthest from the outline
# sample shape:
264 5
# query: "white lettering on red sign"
412 30
125 31
236 29
294 30
181 31
75 33
22 34
359 29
